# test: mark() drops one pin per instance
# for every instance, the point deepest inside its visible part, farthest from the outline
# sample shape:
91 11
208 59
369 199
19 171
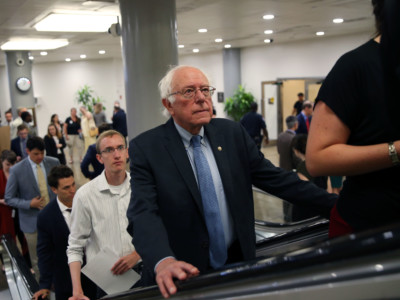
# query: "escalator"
358 266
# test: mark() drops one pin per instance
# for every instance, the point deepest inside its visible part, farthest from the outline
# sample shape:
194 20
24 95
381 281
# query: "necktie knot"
69 210
196 141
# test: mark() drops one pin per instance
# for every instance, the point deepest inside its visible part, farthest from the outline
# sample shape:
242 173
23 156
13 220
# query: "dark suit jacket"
302 124
90 159
51 149
286 155
52 245
166 214
16 146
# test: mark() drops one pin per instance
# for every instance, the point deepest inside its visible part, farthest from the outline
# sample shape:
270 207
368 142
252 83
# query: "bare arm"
327 151
77 291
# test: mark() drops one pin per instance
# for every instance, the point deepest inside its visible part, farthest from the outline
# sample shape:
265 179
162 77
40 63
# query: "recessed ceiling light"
268 17
82 56
267 41
202 30
102 51
181 46
338 20
34 44
74 22
269 31
43 53
218 40
227 46
67 59
196 50
31 57
320 33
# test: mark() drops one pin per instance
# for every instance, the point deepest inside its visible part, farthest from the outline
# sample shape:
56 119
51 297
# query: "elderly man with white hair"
191 206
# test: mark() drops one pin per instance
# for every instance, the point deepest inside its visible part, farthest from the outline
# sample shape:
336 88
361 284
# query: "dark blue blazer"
52 245
166 212
16 146
119 122
302 124
90 159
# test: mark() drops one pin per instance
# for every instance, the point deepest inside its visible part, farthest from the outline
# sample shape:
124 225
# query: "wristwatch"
393 154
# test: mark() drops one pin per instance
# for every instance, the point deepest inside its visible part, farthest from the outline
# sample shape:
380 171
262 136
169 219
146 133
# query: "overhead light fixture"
34 44
218 40
82 56
202 30
268 17
102 51
337 20
319 33
269 31
227 46
31 57
67 59
196 50
76 22
181 46
43 53
267 41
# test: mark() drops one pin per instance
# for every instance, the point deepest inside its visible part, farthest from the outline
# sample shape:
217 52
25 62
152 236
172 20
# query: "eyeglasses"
110 150
189 93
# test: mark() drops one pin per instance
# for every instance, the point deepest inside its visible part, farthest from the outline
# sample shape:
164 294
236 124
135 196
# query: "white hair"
165 85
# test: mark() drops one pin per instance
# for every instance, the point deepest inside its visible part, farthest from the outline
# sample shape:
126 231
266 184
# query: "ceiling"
237 22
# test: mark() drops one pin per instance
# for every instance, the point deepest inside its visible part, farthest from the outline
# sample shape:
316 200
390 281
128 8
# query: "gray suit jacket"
22 188
287 158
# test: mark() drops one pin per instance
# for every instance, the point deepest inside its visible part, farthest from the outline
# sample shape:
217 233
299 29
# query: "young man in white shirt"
98 218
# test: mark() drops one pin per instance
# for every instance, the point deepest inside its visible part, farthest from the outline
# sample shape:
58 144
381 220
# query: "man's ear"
54 190
98 156
167 104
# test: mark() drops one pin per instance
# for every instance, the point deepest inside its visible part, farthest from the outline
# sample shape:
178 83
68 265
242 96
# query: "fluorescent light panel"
34 44
76 23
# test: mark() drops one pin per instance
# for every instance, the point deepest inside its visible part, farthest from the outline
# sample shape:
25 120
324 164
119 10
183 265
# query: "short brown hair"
108 133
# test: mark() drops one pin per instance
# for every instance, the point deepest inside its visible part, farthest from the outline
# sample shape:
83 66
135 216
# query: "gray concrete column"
149 47
232 71
19 65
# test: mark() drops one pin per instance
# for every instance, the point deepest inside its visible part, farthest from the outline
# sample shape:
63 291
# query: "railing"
22 284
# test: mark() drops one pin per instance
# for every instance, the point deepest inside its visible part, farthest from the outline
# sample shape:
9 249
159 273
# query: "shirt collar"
104 186
62 206
187 136
33 164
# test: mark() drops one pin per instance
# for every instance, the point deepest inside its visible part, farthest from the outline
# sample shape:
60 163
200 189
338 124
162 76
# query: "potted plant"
239 104
86 98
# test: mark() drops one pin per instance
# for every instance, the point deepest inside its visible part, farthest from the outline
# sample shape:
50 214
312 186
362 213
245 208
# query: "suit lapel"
31 175
176 149
60 219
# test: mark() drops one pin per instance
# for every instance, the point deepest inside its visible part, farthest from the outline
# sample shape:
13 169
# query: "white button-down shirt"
98 219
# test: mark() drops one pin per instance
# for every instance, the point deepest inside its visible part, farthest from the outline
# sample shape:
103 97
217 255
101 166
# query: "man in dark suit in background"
191 206
18 145
254 123
287 159
53 225
119 120
304 118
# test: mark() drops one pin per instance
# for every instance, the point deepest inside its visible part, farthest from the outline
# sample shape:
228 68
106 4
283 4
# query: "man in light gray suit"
287 159
27 190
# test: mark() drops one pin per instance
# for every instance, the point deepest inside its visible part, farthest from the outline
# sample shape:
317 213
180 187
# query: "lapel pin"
219 148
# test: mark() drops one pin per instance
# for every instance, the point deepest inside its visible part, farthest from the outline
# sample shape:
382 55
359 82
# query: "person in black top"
72 131
55 143
298 105
119 120
355 132
254 123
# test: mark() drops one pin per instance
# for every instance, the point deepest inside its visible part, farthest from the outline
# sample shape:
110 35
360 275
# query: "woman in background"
55 143
89 129
56 121
72 133
99 116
